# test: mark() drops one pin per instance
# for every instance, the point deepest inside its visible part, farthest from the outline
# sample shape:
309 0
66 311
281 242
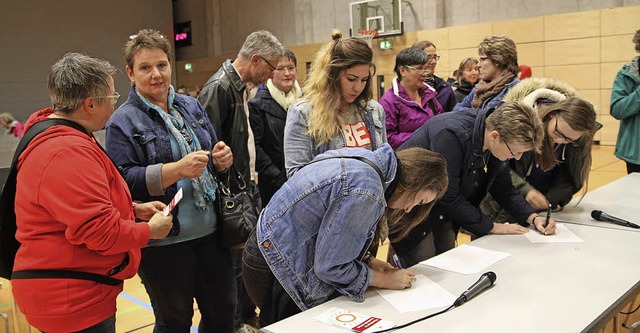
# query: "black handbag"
238 208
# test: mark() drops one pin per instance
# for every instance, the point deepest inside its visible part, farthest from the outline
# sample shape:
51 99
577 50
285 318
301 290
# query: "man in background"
224 98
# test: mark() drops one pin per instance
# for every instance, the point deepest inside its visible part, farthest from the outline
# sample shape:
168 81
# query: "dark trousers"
106 326
263 287
246 310
175 274
632 168
424 243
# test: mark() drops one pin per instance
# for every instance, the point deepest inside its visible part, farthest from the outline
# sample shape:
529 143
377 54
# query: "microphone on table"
485 282
604 217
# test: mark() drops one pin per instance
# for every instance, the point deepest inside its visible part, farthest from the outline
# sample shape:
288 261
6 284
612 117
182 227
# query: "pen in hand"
397 261
546 222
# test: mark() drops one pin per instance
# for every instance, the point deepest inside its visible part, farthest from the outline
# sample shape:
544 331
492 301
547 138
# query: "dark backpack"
8 244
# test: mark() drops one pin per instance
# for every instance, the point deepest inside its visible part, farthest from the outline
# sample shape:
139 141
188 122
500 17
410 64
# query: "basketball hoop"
367 36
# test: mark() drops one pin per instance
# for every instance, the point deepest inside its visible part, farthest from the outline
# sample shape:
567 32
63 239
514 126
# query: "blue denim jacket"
300 148
317 227
138 142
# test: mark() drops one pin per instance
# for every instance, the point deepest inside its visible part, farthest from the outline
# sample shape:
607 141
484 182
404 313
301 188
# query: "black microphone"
604 217
485 282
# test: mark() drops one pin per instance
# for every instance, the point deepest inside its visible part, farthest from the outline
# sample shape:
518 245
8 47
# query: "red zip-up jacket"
74 212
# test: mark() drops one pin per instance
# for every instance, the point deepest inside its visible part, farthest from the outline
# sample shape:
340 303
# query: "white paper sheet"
466 259
562 235
424 294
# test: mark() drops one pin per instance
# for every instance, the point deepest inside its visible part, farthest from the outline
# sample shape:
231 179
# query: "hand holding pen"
546 225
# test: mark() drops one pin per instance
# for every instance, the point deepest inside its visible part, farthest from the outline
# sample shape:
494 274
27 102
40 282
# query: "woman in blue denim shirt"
162 141
311 241
337 110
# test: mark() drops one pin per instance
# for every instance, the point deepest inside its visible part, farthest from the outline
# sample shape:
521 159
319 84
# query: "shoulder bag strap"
29 135
359 158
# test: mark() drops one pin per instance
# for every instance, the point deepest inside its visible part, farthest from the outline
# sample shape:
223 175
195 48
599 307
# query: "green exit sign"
386 45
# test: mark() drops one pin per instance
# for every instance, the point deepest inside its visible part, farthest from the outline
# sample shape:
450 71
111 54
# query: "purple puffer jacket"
403 115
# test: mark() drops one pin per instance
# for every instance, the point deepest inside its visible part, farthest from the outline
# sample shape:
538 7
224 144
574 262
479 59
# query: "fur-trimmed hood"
546 87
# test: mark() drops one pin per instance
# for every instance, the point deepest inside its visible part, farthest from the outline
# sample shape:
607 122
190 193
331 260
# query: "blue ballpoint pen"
397 261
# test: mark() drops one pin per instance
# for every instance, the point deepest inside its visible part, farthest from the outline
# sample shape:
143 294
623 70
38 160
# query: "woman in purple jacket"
409 102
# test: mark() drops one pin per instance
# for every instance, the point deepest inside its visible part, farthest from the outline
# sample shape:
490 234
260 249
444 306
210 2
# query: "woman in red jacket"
74 211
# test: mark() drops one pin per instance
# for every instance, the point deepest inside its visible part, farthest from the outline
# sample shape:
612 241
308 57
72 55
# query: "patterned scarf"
204 187
486 90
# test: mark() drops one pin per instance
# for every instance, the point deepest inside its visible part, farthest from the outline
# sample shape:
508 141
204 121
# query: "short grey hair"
77 77
261 42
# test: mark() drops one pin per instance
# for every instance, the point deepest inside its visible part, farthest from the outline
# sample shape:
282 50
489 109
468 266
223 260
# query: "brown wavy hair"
419 169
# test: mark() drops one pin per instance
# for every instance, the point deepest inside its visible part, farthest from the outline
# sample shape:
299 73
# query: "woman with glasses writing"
477 145
409 102
267 115
337 110
163 141
553 175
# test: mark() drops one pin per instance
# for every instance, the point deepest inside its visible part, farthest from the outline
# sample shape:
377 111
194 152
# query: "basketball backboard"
383 16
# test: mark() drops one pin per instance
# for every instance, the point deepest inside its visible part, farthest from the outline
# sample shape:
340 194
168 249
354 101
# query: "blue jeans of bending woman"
175 274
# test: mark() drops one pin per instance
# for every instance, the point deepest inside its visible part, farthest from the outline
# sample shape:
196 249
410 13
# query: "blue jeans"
175 274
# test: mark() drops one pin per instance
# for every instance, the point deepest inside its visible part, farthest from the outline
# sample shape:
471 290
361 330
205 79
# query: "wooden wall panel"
439 37
608 72
570 26
618 48
573 51
619 21
522 30
531 54
609 131
580 76
469 35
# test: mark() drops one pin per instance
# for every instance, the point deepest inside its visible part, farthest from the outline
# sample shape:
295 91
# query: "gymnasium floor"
135 314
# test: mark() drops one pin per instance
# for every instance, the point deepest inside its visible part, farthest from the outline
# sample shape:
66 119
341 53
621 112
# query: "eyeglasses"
510 151
433 57
561 135
284 69
420 71
115 97
268 63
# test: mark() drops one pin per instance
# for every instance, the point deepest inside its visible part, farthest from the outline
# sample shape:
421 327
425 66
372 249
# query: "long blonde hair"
322 87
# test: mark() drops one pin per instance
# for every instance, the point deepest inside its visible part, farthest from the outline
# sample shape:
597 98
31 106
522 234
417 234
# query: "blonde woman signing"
337 110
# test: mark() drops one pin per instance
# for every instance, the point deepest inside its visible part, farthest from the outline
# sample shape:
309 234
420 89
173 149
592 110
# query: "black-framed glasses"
433 57
510 151
419 71
115 97
561 135
273 68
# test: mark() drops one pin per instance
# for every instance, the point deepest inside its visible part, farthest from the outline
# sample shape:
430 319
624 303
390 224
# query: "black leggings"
263 287
632 168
